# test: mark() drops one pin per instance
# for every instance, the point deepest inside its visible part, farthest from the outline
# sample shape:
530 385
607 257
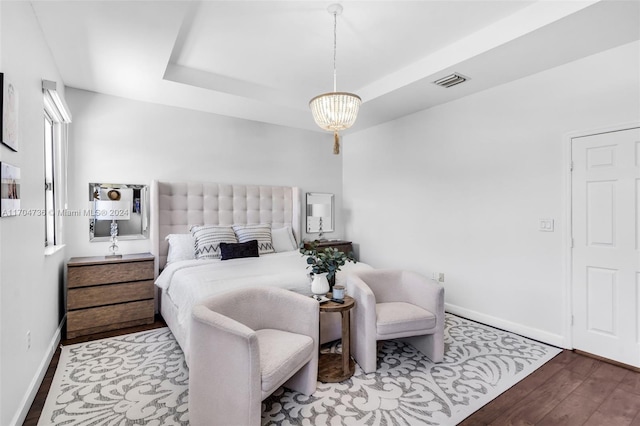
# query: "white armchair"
392 304
245 344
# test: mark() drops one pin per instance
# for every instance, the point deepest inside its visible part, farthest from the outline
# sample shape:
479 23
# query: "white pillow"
208 239
283 239
181 247
261 232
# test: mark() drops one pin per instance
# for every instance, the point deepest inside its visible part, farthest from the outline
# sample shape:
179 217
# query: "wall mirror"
126 205
319 213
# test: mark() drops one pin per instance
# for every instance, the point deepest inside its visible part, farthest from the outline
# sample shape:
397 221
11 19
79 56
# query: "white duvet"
187 282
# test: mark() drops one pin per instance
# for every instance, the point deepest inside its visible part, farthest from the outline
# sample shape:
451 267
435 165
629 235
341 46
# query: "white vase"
320 284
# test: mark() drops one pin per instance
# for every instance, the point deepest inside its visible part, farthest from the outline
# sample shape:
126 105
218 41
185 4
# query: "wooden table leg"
336 367
346 342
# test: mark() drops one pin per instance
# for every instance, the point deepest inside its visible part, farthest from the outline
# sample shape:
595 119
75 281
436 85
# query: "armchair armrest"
224 353
383 283
364 310
359 290
422 291
290 311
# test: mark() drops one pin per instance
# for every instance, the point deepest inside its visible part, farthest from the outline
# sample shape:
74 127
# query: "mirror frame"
313 222
144 212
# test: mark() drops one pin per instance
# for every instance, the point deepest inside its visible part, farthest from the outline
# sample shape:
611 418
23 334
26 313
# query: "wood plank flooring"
572 389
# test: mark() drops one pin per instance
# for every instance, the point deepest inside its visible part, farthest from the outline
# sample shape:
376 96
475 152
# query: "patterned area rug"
141 378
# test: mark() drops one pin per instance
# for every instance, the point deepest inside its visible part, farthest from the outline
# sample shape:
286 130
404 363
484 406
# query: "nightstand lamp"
320 211
113 211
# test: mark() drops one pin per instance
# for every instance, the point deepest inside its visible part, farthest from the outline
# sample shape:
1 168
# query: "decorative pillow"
283 239
208 239
181 247
262 233
238 250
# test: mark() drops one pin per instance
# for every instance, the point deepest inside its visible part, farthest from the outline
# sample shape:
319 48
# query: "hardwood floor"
571 389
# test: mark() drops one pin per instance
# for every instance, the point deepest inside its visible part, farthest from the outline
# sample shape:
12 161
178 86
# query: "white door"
606 263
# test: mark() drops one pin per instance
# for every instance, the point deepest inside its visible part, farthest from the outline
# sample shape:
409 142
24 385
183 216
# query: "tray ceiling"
264 60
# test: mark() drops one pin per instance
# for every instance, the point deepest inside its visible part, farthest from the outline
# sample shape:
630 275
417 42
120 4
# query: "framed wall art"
9 119
9 189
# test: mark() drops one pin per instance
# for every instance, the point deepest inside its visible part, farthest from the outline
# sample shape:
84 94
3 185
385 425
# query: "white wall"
30 294
1 357
459 188
124 141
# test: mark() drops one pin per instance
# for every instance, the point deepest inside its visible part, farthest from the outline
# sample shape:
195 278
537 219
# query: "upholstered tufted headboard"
175 207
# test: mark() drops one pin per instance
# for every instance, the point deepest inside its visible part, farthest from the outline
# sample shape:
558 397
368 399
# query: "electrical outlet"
438 276
545 225
28 339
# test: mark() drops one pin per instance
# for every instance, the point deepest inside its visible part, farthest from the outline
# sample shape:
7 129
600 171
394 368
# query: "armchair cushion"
281 354
402 317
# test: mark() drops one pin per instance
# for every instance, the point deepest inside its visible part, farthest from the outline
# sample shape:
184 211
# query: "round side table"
333 368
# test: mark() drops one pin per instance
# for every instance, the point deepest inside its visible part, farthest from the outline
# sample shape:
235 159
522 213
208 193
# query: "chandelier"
335 111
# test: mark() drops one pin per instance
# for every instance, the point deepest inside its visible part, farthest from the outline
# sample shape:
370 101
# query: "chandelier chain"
335 24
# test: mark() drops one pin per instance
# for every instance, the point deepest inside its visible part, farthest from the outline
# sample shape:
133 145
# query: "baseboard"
32 390
609 361
523 330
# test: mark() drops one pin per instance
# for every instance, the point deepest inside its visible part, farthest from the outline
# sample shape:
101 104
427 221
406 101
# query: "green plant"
327 260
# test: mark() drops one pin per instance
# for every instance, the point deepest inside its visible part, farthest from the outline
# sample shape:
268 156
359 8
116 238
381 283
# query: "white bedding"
189 281
186 282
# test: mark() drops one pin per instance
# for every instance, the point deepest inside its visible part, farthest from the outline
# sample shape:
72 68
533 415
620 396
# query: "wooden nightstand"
109 293
343 246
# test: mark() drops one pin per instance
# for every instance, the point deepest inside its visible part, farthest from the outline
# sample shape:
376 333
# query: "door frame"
567 211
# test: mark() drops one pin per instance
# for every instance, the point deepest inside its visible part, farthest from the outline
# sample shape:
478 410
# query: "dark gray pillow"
238 250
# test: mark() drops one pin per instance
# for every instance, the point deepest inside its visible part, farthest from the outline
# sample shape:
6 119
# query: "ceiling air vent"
451 80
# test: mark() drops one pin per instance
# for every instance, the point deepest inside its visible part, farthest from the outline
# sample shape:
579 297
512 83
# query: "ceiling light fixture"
335 111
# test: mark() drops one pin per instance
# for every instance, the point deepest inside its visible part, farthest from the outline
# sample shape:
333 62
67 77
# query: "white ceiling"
264 60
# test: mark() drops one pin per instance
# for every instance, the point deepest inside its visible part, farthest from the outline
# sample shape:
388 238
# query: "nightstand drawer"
103 318
108 294
341 245
82 276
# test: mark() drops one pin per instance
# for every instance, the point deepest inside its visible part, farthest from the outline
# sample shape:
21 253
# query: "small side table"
333 368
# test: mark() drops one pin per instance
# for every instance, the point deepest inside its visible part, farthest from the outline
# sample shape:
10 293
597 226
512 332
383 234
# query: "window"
49 194
56 119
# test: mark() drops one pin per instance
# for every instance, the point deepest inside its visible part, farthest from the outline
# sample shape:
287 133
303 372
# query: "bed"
182 280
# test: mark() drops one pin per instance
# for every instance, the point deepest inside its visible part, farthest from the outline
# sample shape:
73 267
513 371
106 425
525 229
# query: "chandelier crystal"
335 111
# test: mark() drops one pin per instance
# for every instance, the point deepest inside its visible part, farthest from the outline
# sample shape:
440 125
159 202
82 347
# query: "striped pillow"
208 239
262 233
